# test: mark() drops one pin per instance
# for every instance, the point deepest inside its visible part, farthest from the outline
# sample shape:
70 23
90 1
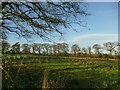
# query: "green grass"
62 73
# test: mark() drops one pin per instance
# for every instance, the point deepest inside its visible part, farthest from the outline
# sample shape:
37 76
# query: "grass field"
58 72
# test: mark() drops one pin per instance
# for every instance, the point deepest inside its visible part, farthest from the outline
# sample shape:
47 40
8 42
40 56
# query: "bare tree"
41 18
16 48
65 48
97 47
50 49
54 46
34 48
110 46
118 48
59 48
5 46
26 48
46 47
75 49
39 48
84 50
89 50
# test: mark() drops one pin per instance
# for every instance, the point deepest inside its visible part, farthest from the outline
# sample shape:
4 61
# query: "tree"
51 50
46 47
110 46
97 47
34 47
5 46
64 48
41 18
89 50
75 49
116 50
84 50
16 48
40 48
54 46
61 48
26 48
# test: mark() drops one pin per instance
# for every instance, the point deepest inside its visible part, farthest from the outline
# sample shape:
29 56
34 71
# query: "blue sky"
103 24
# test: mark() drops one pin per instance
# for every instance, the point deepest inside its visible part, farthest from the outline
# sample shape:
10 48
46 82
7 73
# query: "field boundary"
88 58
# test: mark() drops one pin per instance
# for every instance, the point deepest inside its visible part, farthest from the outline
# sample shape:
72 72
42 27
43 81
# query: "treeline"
97 50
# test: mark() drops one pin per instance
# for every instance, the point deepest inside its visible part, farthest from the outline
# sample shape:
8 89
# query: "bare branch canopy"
40 18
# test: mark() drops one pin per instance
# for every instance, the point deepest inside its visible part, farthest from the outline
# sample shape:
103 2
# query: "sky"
102 24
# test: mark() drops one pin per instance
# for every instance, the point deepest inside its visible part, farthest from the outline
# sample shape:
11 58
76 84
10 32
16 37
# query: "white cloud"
90 39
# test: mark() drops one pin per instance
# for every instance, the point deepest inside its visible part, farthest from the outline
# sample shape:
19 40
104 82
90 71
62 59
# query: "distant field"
58 72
